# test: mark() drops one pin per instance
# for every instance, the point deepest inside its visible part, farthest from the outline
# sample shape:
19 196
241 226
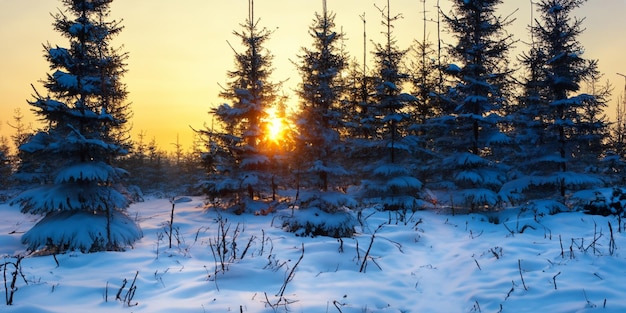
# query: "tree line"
424 121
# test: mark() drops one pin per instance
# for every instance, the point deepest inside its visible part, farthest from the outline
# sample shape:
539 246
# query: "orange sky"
179 54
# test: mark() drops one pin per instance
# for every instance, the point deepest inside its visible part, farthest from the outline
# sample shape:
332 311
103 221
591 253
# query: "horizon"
179 55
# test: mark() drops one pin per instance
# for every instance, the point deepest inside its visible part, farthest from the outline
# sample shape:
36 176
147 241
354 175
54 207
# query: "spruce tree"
79 192
567 124
320 118
479 93
235 157
390 178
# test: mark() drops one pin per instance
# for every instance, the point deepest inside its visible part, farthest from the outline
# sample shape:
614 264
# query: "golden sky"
179 51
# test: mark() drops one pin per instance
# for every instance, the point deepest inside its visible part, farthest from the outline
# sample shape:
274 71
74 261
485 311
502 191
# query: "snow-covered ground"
426 262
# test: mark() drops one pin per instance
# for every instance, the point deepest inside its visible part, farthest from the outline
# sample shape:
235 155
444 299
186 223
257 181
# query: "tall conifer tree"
322 86
84 113
389 178
479 93
566 125
234 142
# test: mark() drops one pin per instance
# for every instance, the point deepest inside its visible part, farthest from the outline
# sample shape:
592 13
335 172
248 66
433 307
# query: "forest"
433 178
429 127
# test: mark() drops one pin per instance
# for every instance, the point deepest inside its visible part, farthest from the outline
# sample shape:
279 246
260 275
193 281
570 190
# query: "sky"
179 52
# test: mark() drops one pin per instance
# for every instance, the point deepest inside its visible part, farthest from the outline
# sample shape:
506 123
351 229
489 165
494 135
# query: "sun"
275 126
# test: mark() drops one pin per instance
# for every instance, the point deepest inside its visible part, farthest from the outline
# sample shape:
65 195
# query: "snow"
390 169
403 182
59 55
465 159
524 260
65 80
469 176
498 138
85 171
453 69
255 159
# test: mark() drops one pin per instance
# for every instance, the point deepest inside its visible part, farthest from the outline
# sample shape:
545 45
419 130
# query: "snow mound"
316 222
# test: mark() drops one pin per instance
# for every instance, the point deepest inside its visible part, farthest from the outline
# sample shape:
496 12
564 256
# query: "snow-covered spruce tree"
234 158
470 165
79 191
390 153
318 143
553 161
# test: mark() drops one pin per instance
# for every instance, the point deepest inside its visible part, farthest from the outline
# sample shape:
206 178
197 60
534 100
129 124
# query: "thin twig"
369 248
554 279
478 265
519 265
289 277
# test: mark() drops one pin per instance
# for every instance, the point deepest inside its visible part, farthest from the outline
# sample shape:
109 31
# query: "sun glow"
275 126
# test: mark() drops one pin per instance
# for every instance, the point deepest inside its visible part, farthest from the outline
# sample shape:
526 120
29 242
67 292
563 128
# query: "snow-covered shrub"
316 222
605 202
544 207
329 201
